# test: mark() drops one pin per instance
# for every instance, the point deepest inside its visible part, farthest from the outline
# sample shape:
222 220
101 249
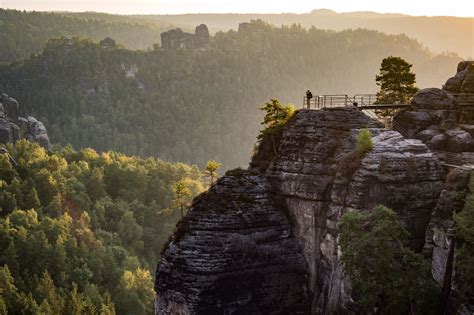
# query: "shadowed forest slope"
190 105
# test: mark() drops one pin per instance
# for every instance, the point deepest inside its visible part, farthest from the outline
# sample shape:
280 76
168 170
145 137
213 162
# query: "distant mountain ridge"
25 33
439 34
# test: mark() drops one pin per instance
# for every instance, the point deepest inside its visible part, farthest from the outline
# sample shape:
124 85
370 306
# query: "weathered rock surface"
313 173
177 39
435 119
441 227
233 253
201 37
13 127
462 87
314 181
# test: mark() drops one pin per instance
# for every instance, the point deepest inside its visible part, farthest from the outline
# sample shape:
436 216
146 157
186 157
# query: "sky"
413 7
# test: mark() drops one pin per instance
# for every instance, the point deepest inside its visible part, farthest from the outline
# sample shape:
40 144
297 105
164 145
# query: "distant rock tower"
177 39
13 127
201 37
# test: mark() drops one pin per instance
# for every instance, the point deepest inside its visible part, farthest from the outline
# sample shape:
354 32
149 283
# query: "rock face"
177 39
435 118
438 240
13 127
313 174
311 181
462 87
233 253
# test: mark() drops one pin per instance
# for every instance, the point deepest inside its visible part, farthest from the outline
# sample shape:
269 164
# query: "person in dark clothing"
309 96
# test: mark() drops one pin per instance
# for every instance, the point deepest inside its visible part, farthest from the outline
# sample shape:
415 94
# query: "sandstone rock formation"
312 181
13 127
233 252
177 39
310 172
441 227
462 87
435 119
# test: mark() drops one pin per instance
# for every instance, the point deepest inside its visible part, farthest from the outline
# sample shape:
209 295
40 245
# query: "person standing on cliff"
309 96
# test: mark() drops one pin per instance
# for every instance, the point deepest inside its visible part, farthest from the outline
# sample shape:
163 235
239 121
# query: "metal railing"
362 101
369 101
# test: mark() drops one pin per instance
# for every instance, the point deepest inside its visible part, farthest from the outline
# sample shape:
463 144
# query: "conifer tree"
396 81
32 200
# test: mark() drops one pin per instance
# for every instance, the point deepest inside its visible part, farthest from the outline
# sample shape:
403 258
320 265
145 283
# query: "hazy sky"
413 7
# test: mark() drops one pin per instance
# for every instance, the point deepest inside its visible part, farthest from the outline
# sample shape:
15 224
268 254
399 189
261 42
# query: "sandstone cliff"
307 187
177 39
265 240
439 118
233 252
13 127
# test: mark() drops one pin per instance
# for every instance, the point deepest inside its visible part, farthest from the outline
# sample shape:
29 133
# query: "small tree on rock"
211 170
396 81
181 194
276 117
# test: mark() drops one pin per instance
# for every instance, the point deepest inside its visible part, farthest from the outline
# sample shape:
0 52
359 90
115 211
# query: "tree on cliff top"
396 81
276 117
211 170
384 273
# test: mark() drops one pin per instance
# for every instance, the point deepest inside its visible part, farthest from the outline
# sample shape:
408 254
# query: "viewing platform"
369 105
369 101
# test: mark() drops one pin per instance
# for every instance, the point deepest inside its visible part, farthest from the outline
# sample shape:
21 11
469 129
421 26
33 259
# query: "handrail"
369 101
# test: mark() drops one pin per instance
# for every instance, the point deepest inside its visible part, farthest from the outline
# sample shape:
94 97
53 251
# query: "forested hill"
24 33
440 33
194 105
81 232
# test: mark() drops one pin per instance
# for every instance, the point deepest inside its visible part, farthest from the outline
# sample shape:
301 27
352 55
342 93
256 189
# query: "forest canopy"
190 105
81 232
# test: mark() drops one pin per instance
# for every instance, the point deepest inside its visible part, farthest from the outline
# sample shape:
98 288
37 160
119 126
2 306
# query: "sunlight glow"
419 7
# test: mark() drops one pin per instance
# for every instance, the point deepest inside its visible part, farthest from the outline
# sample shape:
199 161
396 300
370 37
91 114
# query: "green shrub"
364 142
384 272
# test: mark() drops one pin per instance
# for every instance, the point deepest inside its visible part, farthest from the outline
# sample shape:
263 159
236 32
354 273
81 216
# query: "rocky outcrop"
13 127
463 81
177 39
462 87
441 228
201 37
233 253
311 181
313 172
434 118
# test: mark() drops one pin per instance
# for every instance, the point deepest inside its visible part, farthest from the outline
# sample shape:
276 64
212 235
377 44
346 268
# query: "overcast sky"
413 7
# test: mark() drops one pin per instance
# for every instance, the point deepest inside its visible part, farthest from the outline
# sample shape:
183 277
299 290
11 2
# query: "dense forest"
190 105
25 33
81 232
438 33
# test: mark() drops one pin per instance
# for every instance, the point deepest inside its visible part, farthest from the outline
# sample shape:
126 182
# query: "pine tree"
32 200
46 291
396 81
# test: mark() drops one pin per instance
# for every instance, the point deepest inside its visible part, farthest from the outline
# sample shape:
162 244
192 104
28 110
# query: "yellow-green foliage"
364 142
81 232
276 117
